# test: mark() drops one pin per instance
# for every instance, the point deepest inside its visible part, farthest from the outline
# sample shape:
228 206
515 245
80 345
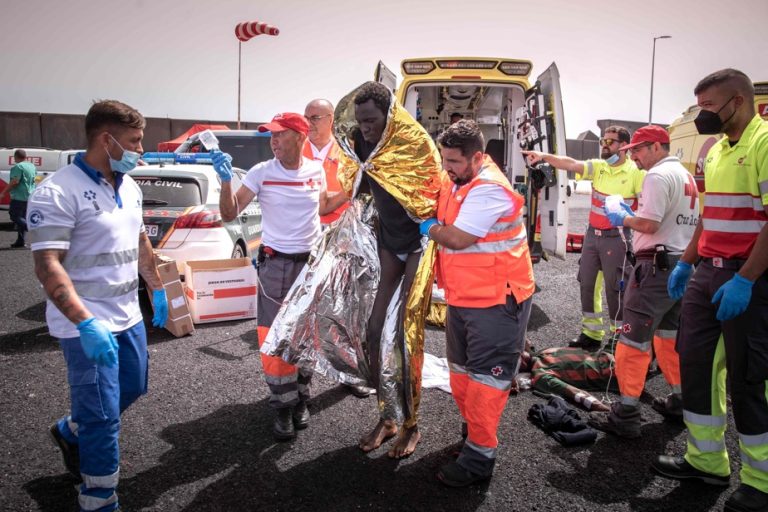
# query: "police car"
181 210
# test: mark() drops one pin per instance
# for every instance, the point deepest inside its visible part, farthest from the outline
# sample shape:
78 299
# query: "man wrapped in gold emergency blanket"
323 323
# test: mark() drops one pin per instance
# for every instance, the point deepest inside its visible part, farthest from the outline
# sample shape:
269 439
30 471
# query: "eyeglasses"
608 141
315 119
638 148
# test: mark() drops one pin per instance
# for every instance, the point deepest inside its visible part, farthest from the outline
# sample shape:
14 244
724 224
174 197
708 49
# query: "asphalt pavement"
201 439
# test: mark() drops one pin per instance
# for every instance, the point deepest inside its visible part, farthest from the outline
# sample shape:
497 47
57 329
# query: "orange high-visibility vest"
330 164
496 265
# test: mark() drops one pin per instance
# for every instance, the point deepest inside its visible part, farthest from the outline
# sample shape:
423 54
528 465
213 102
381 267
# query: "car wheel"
238 251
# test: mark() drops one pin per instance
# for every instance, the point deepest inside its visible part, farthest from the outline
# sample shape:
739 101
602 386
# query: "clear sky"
179 58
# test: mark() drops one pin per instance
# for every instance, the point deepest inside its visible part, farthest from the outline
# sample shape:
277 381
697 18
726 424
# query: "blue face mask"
612 159
127 162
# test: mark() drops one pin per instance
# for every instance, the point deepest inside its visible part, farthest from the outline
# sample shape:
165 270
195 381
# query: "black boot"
300 416
585 342
283 429
746 499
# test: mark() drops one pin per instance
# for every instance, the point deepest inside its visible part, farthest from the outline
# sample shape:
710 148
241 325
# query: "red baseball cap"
286 121
650 133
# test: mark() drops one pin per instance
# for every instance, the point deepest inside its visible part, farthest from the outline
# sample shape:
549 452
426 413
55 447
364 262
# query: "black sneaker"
746 499
300 416
670 406
678 468
621 420
587 343
454 475
282 428
70 453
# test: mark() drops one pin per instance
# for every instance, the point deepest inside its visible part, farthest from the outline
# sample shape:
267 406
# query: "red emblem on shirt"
497 370
626 328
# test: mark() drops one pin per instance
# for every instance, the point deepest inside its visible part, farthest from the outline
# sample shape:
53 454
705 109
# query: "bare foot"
406 443
380 433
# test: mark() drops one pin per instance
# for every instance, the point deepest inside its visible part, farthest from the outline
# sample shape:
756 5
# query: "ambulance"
692 148
513 114
45 160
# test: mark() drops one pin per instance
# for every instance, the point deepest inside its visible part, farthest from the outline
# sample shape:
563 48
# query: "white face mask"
127 162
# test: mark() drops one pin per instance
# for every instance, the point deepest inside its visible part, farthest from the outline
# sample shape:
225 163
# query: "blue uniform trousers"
98 396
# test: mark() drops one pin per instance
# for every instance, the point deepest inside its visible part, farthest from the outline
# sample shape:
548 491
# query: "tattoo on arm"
147 264
57 284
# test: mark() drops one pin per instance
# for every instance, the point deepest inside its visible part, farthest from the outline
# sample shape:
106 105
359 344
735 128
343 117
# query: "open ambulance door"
385 76
540 127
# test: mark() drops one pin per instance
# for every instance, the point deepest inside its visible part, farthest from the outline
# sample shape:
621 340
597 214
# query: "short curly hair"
464 135
377 92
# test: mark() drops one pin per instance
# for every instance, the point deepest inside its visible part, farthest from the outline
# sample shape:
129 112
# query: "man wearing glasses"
664 225
322 147
604 248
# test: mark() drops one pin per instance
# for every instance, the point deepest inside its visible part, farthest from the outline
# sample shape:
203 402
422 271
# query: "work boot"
300 416
621 420
746 499
454 474
70 453
283 429
670 406
359 391
17 244
587 343
678 468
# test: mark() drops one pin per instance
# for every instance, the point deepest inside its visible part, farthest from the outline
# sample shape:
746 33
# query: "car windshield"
246 151
169 190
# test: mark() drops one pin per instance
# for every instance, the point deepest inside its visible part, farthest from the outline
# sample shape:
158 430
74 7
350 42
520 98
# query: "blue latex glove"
678 279
425 225
617 218
255 263
733 297
222 164
160 303
99 344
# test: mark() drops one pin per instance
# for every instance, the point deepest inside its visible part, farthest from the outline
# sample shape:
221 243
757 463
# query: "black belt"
272 253
730 264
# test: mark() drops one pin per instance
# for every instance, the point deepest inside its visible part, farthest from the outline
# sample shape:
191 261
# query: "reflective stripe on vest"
500 263
102 290
49 234
101 260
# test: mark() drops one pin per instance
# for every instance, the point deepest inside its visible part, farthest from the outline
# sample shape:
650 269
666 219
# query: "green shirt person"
20 187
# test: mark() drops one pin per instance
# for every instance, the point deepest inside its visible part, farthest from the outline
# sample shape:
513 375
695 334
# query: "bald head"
319 113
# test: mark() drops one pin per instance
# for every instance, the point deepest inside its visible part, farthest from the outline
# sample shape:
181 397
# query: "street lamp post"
653 65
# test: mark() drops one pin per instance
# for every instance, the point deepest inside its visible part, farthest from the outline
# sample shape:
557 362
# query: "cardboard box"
220 290
179 321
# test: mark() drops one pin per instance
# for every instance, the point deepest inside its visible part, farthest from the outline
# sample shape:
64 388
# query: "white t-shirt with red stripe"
290 203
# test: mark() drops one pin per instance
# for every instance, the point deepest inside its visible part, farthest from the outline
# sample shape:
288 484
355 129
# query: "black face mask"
709 123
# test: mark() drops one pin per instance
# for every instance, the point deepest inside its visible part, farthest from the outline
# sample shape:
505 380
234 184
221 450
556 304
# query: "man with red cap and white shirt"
664 224
291 190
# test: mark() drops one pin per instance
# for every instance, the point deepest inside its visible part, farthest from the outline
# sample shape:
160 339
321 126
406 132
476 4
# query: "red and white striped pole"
244 32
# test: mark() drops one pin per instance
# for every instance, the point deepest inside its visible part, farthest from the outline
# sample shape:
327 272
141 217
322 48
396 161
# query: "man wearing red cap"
663 226
291 190
602 258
